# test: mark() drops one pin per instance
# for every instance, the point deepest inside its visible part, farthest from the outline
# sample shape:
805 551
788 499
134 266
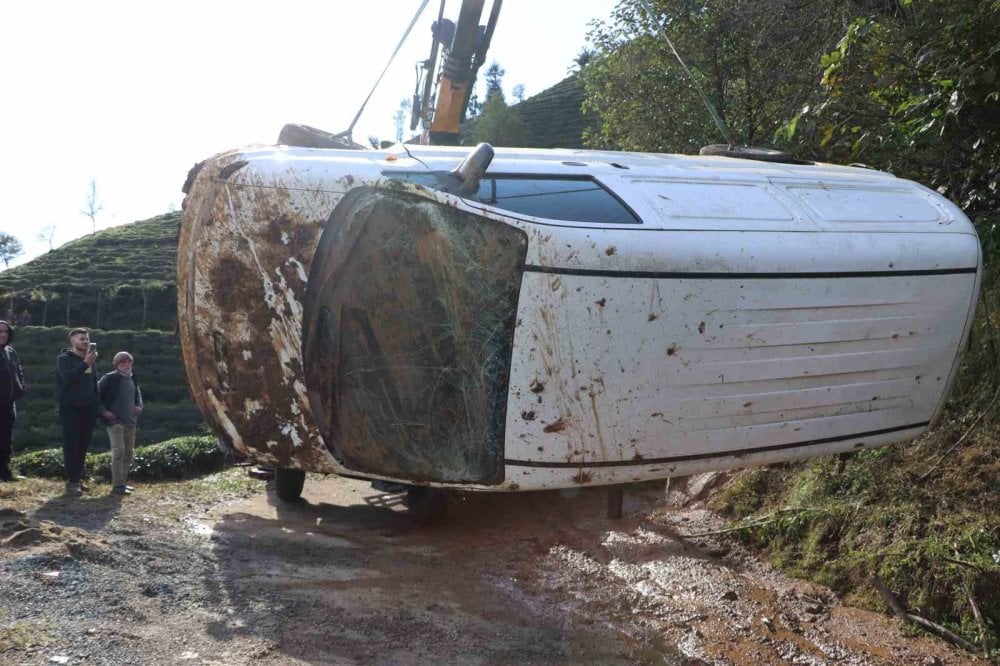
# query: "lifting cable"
347 133
719 122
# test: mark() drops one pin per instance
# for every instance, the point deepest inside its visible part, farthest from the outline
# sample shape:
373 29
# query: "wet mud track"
534 578
346 576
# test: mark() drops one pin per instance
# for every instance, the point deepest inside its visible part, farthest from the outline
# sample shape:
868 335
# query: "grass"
839 520
169 500
25 634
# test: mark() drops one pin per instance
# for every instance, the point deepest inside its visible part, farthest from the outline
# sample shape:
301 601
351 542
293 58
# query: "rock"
730 595
24 537
767 623
59 659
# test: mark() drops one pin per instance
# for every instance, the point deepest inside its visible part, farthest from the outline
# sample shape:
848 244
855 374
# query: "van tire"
288 483
426 505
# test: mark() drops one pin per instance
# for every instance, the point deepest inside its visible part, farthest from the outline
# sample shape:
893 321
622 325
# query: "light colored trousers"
122 451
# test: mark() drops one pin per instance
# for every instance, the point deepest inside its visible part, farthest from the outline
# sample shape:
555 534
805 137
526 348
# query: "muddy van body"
580 318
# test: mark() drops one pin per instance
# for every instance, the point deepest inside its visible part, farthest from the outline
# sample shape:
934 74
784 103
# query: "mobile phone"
93 348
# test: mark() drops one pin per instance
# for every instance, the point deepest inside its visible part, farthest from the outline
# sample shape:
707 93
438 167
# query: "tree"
518 92
499 125
494 82
756 61
913 88
10 248
47 234
93 206
401 116
580 61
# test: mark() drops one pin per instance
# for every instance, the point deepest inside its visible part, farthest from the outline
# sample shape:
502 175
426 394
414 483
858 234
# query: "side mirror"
472 169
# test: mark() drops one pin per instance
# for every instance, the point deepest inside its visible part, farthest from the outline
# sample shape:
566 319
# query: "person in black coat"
11 389
76 393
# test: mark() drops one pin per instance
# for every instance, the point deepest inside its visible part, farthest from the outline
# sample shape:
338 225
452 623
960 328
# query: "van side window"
569 198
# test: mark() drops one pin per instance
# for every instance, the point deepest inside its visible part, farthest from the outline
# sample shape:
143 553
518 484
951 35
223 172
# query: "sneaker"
73 489
129 488
8 477
121 490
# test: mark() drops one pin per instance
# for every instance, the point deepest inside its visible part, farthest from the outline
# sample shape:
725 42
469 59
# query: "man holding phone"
76 393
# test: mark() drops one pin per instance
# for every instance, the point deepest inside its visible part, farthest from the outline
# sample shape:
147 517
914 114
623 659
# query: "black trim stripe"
739 453
675 275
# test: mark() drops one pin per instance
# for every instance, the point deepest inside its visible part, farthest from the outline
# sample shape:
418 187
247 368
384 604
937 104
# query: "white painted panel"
716 200
613 369
870 209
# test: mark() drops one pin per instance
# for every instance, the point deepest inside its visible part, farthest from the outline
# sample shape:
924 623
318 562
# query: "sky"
132 94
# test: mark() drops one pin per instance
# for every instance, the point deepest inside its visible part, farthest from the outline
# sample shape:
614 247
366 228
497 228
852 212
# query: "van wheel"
426 505
288 483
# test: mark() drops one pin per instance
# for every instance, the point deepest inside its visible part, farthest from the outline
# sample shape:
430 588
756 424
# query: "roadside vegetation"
906 86
178 458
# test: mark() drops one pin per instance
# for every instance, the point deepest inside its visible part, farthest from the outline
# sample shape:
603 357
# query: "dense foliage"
178 458
756 61
907 86
915 92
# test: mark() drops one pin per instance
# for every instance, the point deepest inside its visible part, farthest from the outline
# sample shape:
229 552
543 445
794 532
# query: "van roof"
564 161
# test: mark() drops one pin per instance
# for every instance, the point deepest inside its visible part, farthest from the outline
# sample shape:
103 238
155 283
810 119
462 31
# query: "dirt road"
345 576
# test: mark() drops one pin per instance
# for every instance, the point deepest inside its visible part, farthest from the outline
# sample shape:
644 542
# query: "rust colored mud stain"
230 277
556 426
582 477
601 302
672 349
528 415
611 250
536 386
701 327
652 317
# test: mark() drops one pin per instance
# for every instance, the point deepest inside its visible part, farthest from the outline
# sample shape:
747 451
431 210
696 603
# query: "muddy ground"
177 574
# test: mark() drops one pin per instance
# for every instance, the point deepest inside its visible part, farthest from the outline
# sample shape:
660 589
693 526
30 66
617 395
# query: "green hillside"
169 410
120 283
553 118
119 278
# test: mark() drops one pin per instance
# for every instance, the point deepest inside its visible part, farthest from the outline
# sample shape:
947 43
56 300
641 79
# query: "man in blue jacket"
76 393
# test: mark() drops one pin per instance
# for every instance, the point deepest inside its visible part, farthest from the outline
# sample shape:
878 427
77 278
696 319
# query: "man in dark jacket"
76 392
121 403
11 388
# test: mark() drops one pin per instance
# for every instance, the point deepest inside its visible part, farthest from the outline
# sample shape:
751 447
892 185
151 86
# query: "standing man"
76 393
121 403
11 388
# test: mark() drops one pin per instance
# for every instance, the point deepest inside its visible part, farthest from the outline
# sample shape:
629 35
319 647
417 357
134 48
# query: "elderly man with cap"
121 403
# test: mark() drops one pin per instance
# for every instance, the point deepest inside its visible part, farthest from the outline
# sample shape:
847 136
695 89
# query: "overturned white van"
563 317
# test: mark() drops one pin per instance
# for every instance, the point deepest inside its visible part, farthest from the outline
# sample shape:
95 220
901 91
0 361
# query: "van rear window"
573 199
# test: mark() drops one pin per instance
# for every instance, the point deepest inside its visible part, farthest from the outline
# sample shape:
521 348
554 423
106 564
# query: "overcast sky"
132 94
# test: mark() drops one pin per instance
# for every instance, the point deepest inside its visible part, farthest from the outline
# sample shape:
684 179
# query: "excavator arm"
465 53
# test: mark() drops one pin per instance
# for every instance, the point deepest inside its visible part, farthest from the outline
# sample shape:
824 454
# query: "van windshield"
569 198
